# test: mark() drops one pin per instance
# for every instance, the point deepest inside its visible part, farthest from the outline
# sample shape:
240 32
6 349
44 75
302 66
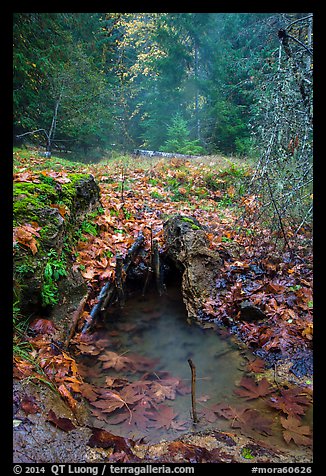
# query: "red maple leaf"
250 389
245 418
136 419
293 430
291 401
250 419
115 361
257 365
89 391
110 401
165 418
208 414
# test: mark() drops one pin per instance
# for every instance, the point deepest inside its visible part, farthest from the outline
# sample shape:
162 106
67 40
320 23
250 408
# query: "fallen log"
157 268
113 289
133 250
96 308
75 319
119 279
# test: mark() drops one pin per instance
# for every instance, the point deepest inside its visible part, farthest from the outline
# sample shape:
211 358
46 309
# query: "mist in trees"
95 79
193 83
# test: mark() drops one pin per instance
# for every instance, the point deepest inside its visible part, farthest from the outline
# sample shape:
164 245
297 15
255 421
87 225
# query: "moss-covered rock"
55 208
188 248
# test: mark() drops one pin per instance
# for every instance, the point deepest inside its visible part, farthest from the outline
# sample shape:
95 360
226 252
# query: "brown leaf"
42 326
165 418
250 389
256 365
25 235
253 420
161 391
64 392
291 401
190 453
209 412
103 439
115 361
89 391
137 419
64 424
29 405
23 177
62 209
300 434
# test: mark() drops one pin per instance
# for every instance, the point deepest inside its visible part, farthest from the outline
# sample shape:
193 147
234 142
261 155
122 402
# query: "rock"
188 248
56 210
249 312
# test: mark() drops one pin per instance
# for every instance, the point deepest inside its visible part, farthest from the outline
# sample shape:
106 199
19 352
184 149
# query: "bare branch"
33 132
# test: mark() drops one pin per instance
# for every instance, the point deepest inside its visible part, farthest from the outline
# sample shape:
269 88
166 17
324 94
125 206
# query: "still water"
156 329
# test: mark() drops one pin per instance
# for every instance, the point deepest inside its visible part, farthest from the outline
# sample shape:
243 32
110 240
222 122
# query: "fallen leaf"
290 401
164 418
250 389
64 424
25 235
64 392
190 453
42 326
62 209
115 361
254 420
161 391
256 365
300 434
29 405
103 439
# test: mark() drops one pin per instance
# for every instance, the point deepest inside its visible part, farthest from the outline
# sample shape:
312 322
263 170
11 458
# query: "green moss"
68 190
37 276
48 231
41 192
29 199
188 220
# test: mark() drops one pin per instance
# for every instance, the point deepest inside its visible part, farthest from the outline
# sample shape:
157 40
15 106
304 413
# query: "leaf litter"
282 288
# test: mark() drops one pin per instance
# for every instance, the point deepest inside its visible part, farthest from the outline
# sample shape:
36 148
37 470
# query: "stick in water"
193 390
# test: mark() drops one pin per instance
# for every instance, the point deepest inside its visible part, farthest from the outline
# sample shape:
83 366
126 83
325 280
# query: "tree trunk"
196 68
51 133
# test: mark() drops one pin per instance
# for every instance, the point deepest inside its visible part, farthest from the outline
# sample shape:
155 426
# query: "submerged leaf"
250 389
291 401
300 434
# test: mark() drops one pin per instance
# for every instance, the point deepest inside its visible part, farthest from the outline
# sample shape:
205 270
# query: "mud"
36 440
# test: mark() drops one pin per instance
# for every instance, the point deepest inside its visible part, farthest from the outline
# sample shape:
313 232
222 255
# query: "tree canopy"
91 80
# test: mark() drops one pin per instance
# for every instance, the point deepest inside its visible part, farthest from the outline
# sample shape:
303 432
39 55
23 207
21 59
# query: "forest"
162 237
